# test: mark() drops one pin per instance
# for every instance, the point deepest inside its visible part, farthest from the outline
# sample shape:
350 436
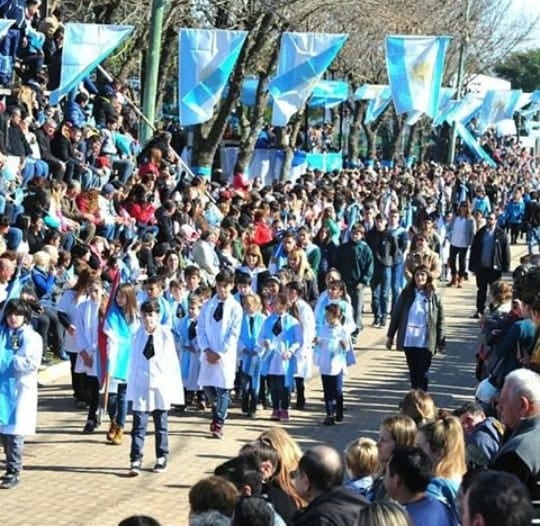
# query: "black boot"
339 409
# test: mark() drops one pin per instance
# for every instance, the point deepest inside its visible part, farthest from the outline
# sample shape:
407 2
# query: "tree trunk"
255 126
289 146
354 133
395 151
409 143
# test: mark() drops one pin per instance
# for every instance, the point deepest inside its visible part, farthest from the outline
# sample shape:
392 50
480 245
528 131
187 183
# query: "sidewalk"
71 478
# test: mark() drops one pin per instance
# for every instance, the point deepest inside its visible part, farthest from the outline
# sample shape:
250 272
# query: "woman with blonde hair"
383 514
298 263
419 406
253 265
289 454
444 442
395 432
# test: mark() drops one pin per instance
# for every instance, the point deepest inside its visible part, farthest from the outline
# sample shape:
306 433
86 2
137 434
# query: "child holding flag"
333 353
252 322
20 357
280 338
121 322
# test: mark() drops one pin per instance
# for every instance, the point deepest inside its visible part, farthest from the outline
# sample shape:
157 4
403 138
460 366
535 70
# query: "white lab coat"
304 356
68 303
222 338
86 324
155 383
25 363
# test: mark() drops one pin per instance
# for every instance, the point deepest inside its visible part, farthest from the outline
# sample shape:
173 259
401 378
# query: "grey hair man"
519 407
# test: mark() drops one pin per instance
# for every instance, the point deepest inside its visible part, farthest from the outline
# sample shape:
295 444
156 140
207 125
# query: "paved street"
75 479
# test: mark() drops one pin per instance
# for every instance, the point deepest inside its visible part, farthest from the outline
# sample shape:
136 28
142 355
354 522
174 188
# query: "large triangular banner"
207 58
303 58
85 47
4 27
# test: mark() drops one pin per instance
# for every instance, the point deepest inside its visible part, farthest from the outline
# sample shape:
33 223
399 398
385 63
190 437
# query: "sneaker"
329 421
476 316
90 427
218 431
284 415
275 415
63 355
135 468
161 465
10 480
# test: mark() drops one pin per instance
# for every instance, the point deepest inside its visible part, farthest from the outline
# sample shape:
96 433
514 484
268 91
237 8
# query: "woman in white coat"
20 356
86 330
302 311
154 385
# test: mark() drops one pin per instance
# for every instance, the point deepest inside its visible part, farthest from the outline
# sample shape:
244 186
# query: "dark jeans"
333 390
117 405
219 399
515 230
484 278
380 292
250 396
281 395
138 433
418 362
13 448
459 253
397 281
77 380
357 302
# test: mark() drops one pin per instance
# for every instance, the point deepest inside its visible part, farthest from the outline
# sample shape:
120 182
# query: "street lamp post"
152 68
460 74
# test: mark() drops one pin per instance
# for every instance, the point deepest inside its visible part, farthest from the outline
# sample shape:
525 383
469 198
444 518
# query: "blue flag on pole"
464 110
368 91
378 104
4 26
445 105
303 58
8 391
85 47
116 323
329 93
498 105
207 58
415 67
474 145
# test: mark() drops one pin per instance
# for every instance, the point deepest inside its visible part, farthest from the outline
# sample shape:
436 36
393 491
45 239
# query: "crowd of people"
177 292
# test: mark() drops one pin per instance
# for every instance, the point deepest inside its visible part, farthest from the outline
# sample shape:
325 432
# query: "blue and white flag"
415 67
368 91
464 110
85 47
4 26
378 104
329 93
445 105
207 58
498 105
8 387
303 58
473 144
249 91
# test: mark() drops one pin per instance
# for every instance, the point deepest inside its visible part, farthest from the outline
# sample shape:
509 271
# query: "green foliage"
522 69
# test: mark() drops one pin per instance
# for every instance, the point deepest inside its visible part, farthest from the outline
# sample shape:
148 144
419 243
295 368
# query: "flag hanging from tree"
415 67
207 58
303 58
85 47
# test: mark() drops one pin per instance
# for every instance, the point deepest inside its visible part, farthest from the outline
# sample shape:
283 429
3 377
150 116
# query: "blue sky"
532 8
